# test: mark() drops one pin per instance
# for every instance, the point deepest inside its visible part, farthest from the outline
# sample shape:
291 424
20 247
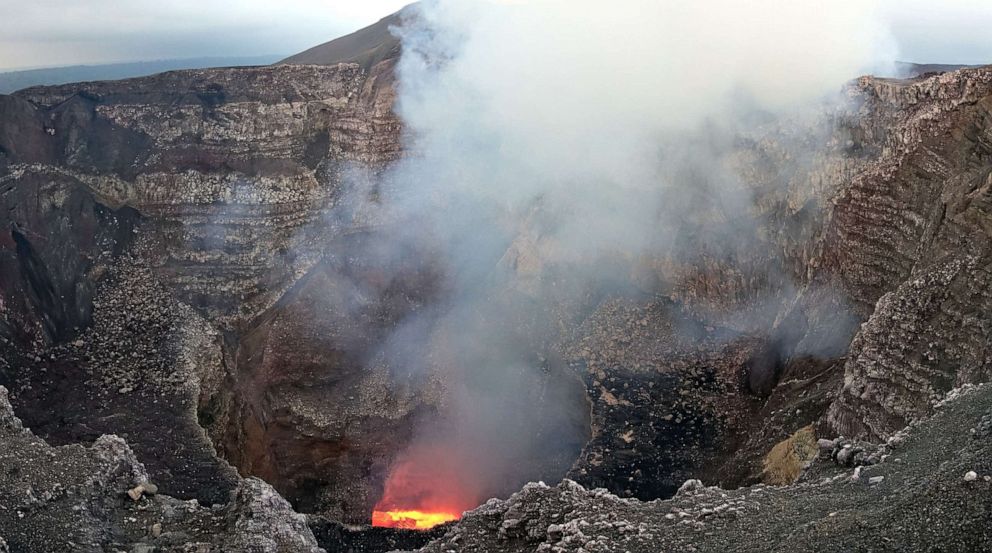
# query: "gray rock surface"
898 506
927 334
76 498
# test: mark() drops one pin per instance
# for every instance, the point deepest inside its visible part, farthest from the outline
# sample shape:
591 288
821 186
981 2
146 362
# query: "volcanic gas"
425 488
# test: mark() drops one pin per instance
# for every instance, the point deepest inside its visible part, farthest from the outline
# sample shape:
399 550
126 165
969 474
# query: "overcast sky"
64 32
37 33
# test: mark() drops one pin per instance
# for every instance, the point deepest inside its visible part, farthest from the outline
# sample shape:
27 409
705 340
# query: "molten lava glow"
411 520
427 486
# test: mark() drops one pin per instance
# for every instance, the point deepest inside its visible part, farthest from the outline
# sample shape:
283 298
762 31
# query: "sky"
46 33
942 31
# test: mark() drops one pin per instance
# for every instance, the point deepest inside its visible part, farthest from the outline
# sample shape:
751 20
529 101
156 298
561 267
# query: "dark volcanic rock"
917 500
365 47
76 498
314 412
136 372
665 405
56 238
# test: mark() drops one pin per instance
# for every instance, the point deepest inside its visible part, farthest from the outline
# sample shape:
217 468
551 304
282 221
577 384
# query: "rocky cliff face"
223 161
877 244
920 260
162 236
172 271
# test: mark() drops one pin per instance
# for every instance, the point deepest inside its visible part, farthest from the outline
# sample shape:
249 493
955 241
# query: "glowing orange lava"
411 520
427 486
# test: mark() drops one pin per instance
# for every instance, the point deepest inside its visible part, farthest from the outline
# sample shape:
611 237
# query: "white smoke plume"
582 124
565 97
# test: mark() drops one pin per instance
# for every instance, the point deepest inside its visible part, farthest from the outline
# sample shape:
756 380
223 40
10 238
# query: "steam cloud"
549 143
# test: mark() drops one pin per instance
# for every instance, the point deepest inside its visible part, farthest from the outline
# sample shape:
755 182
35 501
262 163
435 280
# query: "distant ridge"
13 81
366 47
908 70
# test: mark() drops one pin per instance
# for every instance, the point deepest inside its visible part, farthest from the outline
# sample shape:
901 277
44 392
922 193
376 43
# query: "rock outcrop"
231 166
901 504
913 236
100 497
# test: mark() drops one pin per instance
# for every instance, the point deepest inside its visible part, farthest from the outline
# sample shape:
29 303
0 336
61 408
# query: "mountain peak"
366 47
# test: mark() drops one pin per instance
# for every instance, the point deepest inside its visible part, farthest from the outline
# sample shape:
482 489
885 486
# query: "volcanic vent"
349 395
454 466
406 459
422 491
